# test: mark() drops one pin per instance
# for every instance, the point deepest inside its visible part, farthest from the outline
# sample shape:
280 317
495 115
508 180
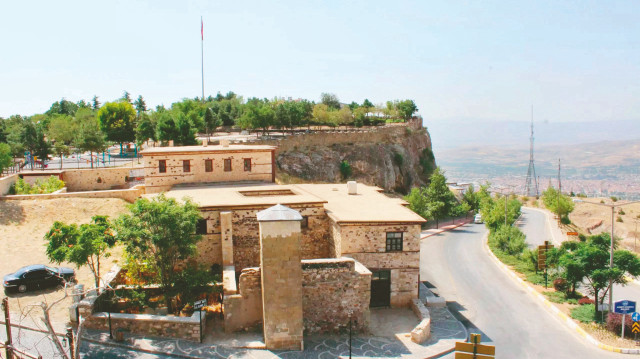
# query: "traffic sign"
572 233
198 304
635 316
635 328
624 307
474 350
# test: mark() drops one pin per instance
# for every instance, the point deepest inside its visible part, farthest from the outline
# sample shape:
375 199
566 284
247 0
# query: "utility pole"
202 54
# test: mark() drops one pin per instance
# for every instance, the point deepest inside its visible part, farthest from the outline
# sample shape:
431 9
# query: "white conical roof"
279 213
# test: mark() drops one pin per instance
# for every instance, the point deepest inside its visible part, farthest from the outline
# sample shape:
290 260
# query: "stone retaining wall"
96 179
6 182
422 331
129 195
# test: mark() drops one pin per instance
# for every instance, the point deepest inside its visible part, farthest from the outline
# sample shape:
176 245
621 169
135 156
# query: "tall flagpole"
202 53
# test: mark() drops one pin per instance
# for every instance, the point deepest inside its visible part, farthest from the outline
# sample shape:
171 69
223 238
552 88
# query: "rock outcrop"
394 157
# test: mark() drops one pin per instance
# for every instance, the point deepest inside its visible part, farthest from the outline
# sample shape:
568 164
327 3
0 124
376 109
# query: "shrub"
621 212
614 323
565 220
619 219
585 301
49 185
614 198
560 285
345 169
508 239
397 159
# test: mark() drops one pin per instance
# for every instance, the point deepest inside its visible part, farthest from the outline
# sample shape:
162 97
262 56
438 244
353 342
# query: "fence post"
7 320
70 339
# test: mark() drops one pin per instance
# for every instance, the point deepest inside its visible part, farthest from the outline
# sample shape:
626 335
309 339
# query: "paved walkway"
445 226
446 330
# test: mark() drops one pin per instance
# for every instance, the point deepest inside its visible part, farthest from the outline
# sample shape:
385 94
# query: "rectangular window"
394 241
305 222
186 166
227 165
162 166
201 226
208 165
247 164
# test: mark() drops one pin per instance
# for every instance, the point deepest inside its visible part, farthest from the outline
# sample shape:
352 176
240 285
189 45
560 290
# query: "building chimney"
224 143
205 143
170 143
352 187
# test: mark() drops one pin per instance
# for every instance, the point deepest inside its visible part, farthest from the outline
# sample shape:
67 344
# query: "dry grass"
23 225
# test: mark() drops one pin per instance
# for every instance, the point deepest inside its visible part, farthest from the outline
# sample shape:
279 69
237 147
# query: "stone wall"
330 288
243 311
422 331
96 179
261 168
6 182
129 195
315 240
366 243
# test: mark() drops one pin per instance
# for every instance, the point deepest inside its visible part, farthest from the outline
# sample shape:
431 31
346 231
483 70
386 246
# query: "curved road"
491 303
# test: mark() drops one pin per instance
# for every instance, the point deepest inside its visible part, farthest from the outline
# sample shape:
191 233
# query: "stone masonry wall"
129 195
367 245
96 179
261 168
6 182
330 288
315 240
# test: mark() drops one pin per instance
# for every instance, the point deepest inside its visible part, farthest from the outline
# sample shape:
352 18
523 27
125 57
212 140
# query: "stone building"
165 167
358 247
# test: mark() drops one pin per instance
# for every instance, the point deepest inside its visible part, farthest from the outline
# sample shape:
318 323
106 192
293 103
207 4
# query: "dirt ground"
595 218
23 225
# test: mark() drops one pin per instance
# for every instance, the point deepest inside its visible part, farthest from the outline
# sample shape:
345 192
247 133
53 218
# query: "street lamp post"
613 210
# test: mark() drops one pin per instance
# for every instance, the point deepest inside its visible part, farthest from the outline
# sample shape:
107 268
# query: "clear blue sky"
483 60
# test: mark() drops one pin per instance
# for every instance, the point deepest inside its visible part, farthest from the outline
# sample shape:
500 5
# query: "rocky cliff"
394 158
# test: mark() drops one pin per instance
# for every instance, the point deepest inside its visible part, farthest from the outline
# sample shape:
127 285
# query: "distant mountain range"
587 150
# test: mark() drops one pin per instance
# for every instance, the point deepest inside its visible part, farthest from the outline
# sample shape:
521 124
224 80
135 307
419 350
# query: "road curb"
466 221
552 308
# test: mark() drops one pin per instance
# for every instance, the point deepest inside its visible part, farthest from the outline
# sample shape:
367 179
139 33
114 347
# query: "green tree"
141 106
258 114
90 138
493 211
160 232
186 131
406 109
508 239
126 97
95 104
63 107
62 129
320 114
60 149
84 245
116 120
330 100
588 261
417 199
211 122
440 200
6 160
558 203
145 129
166 129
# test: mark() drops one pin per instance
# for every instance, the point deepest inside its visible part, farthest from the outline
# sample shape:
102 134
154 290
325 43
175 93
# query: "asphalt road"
492 304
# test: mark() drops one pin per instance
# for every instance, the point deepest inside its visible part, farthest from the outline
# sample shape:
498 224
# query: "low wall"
422 331
332 289
6 182
96 179
129 195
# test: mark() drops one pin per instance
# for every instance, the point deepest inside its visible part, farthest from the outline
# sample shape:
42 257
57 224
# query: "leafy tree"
141 106
290 114
6 160
330 100
126 97
258 114
63 107
166 127
84 245
440 200
90 138
353 105
558 203
345 117
406 109
160 232
493 211
146 129
116 120
211 122
589 261
95 104
417 199
186 131
60 149
62 129
367 104
320 114
345 169
3 130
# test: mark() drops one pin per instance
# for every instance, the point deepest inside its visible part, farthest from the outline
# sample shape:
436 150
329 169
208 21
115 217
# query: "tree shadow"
11 212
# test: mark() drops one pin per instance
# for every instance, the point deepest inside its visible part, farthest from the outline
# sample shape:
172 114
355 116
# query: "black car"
36 277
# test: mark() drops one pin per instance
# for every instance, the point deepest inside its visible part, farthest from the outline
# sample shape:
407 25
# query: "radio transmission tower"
531 188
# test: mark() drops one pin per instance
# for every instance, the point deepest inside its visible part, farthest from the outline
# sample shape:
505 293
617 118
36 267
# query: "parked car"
36 277
477 218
